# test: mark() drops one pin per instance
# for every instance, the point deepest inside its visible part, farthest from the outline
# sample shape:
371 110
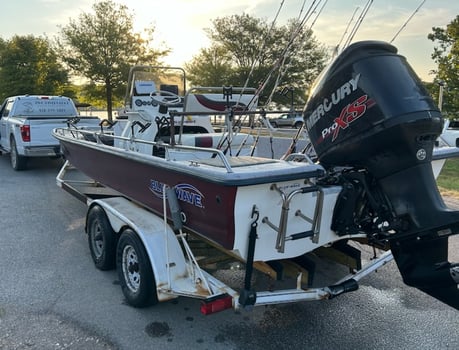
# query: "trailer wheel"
17 162
101 239
134 271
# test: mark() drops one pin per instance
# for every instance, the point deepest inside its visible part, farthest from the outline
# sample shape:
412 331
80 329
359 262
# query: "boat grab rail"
100 137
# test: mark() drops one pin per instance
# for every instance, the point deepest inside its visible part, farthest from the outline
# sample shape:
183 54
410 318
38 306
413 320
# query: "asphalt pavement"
52 297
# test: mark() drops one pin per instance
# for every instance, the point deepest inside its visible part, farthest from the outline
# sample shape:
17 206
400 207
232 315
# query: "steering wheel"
165 98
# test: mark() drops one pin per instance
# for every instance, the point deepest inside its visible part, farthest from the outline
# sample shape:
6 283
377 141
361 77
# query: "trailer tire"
17 162
101 239
134 271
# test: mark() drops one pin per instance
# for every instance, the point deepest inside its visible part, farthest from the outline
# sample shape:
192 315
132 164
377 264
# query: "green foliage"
247 47
446 55
211 67
102 46
29 65
94 94
448 178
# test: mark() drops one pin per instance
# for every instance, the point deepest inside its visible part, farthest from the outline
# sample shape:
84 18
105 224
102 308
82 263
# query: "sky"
180 24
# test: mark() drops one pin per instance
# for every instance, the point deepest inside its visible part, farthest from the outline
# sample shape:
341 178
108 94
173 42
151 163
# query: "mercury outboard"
373 126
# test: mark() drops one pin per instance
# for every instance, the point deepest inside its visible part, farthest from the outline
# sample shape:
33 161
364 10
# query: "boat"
210 183
372 126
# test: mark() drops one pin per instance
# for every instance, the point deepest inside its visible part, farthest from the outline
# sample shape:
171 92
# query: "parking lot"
52 297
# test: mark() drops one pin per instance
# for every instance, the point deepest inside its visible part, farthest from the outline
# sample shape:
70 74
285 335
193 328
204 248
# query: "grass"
448 180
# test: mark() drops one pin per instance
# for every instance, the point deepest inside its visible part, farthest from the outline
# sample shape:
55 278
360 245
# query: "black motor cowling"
370 112
370 109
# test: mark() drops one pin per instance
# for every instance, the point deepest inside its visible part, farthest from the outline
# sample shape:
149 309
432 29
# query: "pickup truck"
450 134
26 122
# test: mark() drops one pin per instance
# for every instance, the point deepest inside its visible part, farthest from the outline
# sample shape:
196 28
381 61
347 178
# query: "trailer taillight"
25 133
216 305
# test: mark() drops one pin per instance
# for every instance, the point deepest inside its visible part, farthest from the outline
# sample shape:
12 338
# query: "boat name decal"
185 192
189 194
336 97
349 114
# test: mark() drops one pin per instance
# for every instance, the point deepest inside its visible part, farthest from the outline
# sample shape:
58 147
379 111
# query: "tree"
103 46
247 47
29 65
211 67
446 55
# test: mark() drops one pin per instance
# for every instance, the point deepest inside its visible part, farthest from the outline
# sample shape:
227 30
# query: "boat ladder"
314 221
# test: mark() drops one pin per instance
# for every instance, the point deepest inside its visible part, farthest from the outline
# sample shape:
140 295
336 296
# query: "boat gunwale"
251 174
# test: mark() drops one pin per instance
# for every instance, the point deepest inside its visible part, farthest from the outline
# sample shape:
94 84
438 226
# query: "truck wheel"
101 239
274 125
134 271
298 125
17 162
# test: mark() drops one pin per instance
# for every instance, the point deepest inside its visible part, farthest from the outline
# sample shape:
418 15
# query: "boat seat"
169 88
212 140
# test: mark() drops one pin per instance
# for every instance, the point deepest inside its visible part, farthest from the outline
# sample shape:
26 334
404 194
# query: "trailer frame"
175 270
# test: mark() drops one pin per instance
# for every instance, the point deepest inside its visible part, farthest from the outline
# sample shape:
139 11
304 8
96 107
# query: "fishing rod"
254 145
283 69
358 23
345 31
260 52
288 48
281 73
318 14
406 22
364 12
241 146
309 151
278 62
292 146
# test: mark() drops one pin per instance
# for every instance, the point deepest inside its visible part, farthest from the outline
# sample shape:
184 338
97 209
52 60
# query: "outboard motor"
373 127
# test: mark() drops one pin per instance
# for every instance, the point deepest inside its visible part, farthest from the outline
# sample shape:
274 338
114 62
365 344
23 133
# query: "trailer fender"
163 249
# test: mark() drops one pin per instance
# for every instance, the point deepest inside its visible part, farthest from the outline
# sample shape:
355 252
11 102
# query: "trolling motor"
373 126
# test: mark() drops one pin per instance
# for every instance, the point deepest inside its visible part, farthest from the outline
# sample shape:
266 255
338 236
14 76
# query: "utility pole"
441 85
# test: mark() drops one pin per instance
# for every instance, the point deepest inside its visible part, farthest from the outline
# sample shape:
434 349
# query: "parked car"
290 120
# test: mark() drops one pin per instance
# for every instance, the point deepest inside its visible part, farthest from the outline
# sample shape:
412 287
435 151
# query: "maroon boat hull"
208 207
